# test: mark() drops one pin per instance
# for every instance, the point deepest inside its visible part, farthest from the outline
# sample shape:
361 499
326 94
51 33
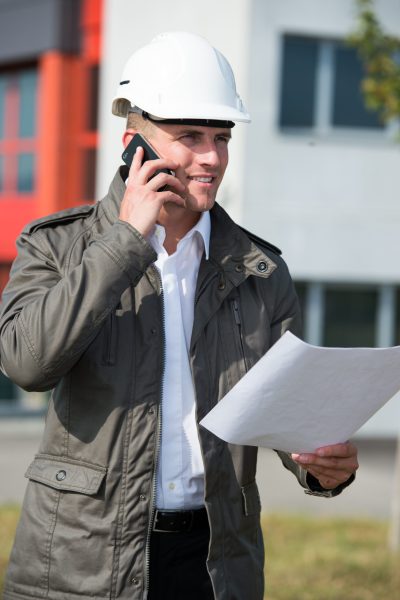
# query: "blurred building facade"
315 173
49 59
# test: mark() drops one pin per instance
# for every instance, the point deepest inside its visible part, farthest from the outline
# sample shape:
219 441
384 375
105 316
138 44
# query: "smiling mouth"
202 179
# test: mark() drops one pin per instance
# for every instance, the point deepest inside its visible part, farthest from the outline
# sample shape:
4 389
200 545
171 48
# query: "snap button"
61 475
262 266
239 268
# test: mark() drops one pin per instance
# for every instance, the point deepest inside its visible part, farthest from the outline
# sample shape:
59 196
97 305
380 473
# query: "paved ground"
370 495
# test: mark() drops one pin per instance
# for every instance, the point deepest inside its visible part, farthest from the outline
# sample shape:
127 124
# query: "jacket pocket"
251 499
67 475
238 334
65 541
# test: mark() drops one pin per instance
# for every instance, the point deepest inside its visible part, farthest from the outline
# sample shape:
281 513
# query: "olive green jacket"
82 313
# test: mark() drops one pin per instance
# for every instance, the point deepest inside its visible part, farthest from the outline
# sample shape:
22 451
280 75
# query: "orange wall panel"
15 214
91 21
61 102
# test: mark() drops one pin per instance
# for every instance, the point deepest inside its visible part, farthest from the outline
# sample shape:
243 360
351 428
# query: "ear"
127 136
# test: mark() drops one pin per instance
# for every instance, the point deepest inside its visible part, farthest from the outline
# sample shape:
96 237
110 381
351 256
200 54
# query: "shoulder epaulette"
63 216
261 243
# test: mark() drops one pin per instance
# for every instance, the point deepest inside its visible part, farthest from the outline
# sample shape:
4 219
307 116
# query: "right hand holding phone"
142 201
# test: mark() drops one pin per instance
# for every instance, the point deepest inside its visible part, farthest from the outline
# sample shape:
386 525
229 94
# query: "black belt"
168 521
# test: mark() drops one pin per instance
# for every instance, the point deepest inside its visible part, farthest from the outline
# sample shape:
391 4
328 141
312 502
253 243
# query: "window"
321 86
350 316
298 82
18 102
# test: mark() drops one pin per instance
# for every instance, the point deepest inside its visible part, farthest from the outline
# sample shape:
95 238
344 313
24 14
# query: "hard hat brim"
121 107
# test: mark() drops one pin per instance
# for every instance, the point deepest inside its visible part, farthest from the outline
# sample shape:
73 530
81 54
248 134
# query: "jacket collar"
232 253
112 201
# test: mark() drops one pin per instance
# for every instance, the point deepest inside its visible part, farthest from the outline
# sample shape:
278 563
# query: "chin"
200 204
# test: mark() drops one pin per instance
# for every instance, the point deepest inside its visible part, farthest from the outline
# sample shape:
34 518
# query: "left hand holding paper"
332 465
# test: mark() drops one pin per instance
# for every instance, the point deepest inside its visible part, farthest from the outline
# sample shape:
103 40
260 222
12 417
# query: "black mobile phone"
149 152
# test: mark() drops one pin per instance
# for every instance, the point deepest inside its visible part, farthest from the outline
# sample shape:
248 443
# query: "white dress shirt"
180 473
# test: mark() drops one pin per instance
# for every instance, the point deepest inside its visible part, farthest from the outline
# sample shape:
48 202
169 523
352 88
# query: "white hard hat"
179 76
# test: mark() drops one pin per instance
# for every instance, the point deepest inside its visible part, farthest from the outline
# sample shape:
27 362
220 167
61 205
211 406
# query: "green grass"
8 523
329 559
306 558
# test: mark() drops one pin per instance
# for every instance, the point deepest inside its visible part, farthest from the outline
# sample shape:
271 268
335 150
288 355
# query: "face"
202 156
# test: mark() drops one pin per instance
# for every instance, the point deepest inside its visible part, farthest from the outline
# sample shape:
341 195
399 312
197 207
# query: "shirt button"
135 580
151 410
171 486
142 497
61 475
153 331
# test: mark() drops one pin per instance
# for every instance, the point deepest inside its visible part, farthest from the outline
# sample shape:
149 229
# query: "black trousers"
178 566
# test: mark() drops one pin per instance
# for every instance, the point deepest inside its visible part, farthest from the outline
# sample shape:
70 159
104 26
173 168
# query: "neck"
177 223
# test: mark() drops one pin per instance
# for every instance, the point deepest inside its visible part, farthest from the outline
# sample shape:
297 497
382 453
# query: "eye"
223 138
188 136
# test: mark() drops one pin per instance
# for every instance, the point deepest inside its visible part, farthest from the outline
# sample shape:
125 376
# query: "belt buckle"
187 525
154 528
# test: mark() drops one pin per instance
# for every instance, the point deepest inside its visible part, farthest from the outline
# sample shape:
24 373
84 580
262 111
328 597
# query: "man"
141 312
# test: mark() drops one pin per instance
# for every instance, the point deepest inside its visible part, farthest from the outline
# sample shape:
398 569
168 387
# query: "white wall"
330 202
129 25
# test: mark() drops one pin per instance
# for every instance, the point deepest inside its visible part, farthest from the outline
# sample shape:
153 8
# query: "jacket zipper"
157 449
238 322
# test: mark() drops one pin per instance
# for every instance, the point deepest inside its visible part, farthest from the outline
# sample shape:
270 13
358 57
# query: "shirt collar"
202 229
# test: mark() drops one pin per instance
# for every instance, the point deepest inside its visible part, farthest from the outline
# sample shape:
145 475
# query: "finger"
149 167
312 460
169 196
340 475
330 480
165 179
136 161
343 449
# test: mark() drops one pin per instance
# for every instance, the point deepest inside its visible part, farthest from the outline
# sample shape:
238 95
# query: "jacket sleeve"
287 318
307 481
49 315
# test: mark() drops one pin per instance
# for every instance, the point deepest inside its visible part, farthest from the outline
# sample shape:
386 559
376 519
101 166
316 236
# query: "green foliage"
380 54
306 558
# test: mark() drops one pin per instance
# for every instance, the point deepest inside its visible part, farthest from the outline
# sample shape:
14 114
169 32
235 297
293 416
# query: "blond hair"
138 123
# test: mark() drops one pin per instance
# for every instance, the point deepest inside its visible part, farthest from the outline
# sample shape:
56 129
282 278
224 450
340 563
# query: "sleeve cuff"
316 489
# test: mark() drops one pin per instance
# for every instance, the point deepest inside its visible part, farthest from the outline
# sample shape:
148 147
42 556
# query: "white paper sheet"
299 397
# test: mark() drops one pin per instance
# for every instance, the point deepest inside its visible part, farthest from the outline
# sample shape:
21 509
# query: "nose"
210 155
